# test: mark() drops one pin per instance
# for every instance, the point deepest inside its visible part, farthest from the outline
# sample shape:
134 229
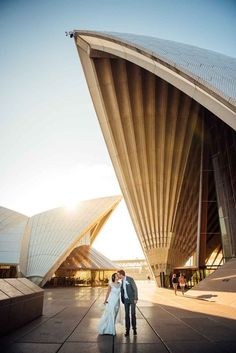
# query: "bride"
112 307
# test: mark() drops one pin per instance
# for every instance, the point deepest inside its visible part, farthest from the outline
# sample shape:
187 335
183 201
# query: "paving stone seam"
156 333
184 323
89 308
21 337
18 339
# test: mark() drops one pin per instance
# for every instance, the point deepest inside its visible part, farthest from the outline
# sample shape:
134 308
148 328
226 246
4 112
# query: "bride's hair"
113 277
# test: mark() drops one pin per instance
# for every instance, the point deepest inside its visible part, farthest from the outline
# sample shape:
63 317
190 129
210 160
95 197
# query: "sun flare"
71 204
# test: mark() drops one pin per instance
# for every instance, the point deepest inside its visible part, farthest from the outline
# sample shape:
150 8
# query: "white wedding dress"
111 311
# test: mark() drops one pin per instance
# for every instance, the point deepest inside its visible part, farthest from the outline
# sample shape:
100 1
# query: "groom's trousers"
129 306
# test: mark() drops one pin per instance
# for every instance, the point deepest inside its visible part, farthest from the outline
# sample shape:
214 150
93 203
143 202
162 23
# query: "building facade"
136 268
35 247
168 115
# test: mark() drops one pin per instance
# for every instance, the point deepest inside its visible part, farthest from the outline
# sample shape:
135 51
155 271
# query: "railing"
200 274
195 275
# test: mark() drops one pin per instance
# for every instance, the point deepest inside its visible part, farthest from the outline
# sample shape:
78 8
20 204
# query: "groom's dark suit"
132 293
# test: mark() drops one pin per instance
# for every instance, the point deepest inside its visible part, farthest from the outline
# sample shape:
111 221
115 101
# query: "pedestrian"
175 283
182 283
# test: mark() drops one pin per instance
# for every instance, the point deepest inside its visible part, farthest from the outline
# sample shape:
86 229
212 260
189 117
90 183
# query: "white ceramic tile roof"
86 257
12 225
214 70
50 235
55 232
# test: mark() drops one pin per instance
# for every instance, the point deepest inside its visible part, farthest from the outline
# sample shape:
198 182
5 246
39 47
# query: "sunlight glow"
71 204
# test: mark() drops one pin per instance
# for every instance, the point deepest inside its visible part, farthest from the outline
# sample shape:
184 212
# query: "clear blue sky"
52 149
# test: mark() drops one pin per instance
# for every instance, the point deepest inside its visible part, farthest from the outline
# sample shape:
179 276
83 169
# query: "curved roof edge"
208 95
10 212
12 225
86 257
63 208
39 244
42 255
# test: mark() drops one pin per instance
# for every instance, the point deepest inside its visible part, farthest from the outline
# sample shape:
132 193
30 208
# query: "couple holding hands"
124 287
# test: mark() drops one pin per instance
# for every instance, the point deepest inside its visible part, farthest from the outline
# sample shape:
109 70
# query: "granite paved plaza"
166 323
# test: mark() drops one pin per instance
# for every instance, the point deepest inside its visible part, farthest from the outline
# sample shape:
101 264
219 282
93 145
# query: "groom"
129 297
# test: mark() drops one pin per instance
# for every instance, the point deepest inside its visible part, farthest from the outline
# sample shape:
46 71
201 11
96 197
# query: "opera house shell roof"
161 105
39 244
86 258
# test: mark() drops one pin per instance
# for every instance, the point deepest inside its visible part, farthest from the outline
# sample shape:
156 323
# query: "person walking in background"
129 297
182 283
175 283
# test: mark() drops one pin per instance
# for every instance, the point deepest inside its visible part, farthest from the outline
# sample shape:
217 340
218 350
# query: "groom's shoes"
135 332
127 334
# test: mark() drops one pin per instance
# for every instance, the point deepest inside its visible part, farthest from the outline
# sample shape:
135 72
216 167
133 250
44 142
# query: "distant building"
136 268
168 115
35 247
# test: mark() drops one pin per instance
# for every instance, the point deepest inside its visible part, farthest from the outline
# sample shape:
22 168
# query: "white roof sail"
215 70
12 225
41 243
54 234
204 75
